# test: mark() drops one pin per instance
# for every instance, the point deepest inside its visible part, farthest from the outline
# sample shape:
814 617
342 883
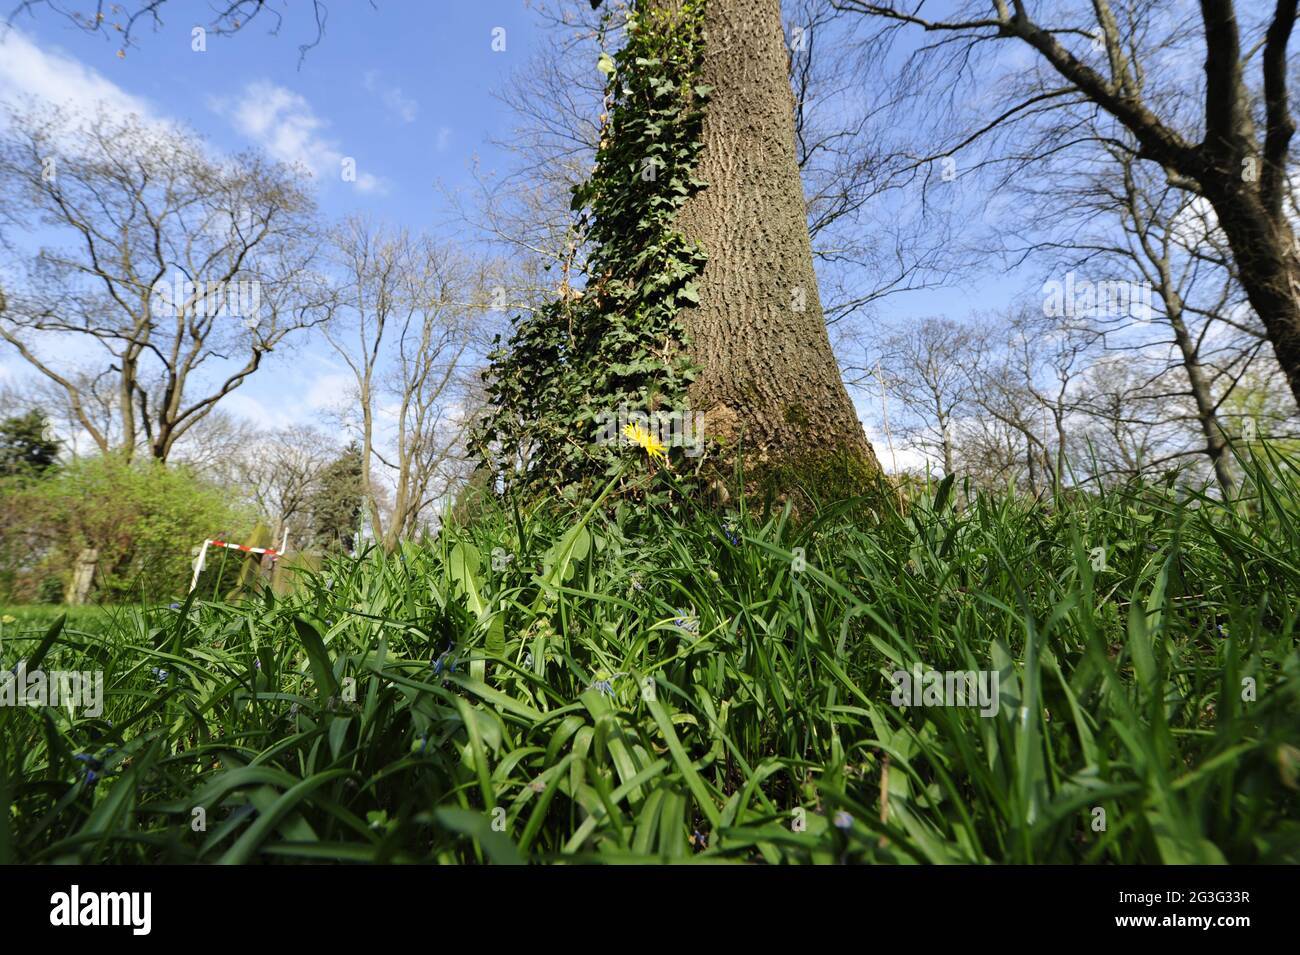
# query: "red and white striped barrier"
228 545
244 547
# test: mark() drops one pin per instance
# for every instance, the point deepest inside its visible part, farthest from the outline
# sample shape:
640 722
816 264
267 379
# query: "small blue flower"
93 767
159 674
686 622
445 661
258 664
843 820
731 534
606 686
174 606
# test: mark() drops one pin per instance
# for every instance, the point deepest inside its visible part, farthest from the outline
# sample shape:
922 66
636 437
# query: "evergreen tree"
335 505
25 447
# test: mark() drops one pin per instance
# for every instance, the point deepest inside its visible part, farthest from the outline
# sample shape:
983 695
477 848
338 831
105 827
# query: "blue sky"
404 90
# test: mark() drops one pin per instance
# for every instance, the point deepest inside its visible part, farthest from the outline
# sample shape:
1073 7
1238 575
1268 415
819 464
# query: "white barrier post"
198 565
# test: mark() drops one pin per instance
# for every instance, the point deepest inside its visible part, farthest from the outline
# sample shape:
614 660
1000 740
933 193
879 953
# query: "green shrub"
144 519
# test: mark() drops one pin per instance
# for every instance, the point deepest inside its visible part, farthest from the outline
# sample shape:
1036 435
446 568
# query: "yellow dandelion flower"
8 618
653 447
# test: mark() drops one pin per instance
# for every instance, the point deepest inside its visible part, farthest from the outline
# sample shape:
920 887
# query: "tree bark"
768 381
1269 271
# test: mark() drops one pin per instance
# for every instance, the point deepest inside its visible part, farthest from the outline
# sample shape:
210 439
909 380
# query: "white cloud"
55 78
397 102
902 457
328 391
245 406
279 120
284 124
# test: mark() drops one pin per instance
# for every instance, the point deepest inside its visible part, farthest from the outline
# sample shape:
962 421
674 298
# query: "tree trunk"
83 577
1268 268
1216 442
768 380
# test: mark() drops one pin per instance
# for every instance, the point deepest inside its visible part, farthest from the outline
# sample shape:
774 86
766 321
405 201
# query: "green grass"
635 686
90 617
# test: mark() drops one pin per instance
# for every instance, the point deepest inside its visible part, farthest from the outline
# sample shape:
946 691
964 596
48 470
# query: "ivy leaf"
689 293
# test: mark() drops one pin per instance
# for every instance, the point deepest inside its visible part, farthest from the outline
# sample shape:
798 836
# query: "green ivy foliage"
619 341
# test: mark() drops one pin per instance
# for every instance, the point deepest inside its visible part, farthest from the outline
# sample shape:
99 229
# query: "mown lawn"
29 617
642 683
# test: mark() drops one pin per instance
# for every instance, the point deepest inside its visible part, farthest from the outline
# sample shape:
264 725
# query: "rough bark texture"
1268 268
768 377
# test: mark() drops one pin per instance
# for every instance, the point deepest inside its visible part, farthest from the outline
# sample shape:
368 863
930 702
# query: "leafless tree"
1023 393
1223 133
926 367
123 21
409 315
1131 423
174 275
1155 279
871 240
279 471
214 445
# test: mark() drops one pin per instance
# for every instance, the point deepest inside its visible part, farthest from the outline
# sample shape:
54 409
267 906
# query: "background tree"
407 319
1132 422
1223 136
1118 225
26 446
335 506
142 209
278 472
927 368
143 519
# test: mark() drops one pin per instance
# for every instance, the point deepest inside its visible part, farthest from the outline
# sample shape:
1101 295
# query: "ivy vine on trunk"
736 346
618 343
